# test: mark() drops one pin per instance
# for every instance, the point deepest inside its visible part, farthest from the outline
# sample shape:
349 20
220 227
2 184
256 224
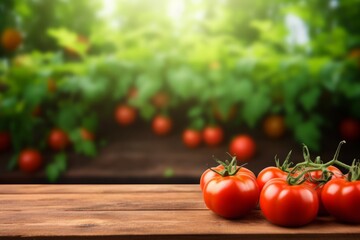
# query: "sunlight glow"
298 32
108 8
107 12
176 9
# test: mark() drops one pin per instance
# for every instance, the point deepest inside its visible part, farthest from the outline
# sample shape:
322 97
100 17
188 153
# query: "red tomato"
213 135
269 173
29 160
125 115
132 93
209 174
11 39
224 117
191 138
162 125
341 199
58 139
288 205
274 126
350 129
51 85
317 175
243 147
36 112
231 196
5 141
86 134
161 99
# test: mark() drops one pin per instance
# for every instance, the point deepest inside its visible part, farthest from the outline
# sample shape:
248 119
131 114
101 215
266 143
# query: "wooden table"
137 212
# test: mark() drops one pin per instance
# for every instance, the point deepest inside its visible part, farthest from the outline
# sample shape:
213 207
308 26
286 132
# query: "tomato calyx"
354 171
285 166
302 171
230 168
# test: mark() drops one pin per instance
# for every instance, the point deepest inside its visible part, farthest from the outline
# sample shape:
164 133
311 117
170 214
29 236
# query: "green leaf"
68 39
169 172
308 132
90 121
52 173
69 115
81 145
13 162
54 170
241 90
34 94
195 111
147 111
147 86
60 160
197 123
122 86
89 148
310 98
255 107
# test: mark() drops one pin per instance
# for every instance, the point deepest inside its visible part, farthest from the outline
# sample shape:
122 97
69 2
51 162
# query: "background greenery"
221 55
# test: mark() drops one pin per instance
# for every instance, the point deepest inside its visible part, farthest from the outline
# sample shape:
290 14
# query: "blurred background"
140 91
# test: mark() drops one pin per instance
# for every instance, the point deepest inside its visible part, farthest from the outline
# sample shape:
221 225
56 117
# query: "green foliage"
56 167
215 57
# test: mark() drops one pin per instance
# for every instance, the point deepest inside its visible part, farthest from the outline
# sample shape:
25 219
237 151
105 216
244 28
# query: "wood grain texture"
137 212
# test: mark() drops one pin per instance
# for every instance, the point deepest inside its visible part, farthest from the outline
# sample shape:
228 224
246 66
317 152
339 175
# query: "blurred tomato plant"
233 62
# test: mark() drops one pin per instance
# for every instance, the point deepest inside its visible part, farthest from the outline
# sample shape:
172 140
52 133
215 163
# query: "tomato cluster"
242 146
288 196
30 160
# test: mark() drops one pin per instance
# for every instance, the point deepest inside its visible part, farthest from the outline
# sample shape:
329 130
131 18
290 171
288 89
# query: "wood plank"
100 223
103 202
137 212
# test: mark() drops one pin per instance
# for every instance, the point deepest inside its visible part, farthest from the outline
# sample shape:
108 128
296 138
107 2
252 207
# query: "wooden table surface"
137 212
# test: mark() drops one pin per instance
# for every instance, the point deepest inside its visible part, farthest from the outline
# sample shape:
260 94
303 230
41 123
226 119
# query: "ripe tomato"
288 205
29 160
161 99
208 174
162 125
5 141
224 117
231 196
318 175
125 115
243 147
132 93
58 139
51 85
341 199
213 135
350 129
11 39
191 138
274 126
86 134
269 173
36 112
